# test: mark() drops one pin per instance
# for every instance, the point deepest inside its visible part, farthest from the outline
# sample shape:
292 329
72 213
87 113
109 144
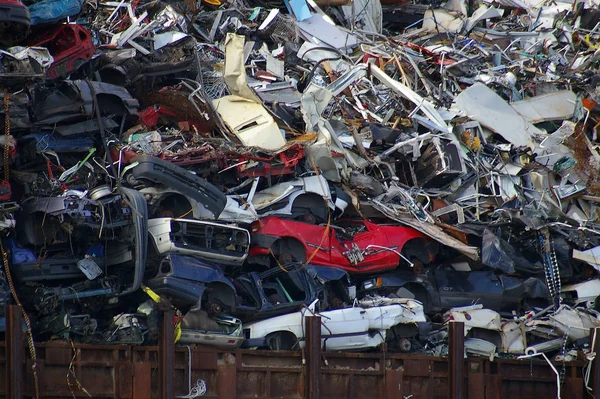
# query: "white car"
359 327
214 241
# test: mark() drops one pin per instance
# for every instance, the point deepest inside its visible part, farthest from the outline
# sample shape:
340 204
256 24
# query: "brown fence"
132 372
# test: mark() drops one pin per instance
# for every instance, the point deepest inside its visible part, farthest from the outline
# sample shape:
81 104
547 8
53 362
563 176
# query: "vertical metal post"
595 347
142 381
167 355
456 360
313 356
227 380
14 352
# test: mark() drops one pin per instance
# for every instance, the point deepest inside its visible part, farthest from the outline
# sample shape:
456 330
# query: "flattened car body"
230 334
186 280
355 246
342 329
218 242
445 289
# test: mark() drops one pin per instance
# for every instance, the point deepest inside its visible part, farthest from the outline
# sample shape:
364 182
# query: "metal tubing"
167 355
313 356
456 360
14 352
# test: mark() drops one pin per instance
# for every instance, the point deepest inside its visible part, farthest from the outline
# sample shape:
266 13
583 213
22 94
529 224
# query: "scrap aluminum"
390 165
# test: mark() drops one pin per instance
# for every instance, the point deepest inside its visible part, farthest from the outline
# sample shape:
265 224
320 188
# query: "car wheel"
281 341
404 345
288 250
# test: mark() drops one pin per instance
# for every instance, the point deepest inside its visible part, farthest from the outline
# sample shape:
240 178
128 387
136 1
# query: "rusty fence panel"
134 372
126 372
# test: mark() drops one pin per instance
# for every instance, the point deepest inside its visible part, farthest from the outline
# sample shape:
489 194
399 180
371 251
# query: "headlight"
367 285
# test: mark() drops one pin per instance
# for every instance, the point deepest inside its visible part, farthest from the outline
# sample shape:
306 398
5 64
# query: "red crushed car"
356 246
71 45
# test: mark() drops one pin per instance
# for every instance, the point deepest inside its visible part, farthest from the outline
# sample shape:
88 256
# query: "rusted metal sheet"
142 381
393 384
99 369
126 372
227 381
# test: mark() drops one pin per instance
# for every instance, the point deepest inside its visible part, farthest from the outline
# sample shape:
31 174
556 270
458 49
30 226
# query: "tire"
404 345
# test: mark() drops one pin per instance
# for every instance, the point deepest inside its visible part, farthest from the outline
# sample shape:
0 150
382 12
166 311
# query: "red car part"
369 248
70 45
283 163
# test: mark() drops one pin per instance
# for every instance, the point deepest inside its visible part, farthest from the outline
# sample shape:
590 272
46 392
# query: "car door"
345 328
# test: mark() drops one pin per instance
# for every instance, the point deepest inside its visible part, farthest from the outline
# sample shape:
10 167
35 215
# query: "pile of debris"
389 166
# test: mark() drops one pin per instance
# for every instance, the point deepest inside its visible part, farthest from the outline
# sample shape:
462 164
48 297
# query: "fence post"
595 347
14 352
167 355
313 356
227 380
456 360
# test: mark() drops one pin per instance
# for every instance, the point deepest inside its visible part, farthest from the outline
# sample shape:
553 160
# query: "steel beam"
227 380
595 347
14 352
456 360
313 356
167 355
142 381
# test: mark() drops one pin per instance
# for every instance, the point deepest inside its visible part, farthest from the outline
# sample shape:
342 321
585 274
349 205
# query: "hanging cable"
30 342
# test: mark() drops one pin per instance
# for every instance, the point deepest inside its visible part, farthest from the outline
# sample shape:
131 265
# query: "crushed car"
356 246
357 327
408 164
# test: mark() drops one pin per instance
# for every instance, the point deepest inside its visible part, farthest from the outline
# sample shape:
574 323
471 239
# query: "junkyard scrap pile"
389 167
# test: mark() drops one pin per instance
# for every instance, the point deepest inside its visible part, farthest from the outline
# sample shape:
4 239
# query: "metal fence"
68 370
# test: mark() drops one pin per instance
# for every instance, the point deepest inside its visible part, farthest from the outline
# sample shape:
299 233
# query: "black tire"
404 345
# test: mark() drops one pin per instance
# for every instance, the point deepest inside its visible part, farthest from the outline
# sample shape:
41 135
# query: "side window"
284 288
246 293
